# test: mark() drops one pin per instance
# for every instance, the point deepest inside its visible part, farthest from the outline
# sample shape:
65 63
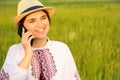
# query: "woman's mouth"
41 30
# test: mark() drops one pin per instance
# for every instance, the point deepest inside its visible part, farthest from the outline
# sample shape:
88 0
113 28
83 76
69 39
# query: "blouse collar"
44 47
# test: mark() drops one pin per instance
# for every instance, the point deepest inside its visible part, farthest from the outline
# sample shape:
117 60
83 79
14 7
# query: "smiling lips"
40 30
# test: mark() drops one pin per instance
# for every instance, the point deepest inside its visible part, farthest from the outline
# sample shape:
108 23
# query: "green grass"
92 31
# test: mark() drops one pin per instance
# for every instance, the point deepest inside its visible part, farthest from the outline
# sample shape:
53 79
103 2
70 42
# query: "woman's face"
38 24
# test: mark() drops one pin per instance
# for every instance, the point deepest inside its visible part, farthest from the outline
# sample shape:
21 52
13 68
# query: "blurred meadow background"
91 28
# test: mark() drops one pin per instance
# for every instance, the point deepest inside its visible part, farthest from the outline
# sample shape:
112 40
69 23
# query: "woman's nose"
40 24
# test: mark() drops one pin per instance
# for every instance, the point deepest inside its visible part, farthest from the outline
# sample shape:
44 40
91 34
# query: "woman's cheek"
29 28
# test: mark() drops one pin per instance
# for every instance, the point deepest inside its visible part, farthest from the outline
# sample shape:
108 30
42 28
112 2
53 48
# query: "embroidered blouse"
52 62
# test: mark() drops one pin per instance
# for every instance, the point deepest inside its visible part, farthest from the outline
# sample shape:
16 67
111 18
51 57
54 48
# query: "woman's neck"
38 43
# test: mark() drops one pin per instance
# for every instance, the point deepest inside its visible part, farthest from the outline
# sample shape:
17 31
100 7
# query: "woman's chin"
40 37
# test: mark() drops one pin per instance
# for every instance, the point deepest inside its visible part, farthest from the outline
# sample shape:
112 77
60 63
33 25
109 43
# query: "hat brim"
50 11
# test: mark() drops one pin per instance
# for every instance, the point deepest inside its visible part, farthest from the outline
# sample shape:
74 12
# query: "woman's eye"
31 21
44 17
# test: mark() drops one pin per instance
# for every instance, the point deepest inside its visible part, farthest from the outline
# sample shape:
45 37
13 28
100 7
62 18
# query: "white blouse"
52 62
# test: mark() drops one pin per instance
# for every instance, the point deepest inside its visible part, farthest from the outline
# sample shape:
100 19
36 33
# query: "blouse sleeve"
10 69
70 69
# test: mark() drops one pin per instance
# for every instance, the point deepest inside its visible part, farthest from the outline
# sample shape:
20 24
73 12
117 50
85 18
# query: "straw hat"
26 7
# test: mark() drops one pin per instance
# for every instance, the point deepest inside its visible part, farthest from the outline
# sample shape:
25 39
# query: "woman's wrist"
25 61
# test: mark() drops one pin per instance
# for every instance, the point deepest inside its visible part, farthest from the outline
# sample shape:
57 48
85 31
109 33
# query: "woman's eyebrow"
32 19
44 15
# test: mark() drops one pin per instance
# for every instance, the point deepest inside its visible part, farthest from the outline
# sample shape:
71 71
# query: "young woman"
37 57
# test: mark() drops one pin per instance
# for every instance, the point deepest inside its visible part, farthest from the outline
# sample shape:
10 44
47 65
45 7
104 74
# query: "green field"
90 29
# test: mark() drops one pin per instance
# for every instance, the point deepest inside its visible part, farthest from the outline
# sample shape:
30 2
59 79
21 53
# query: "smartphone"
26 31
20 30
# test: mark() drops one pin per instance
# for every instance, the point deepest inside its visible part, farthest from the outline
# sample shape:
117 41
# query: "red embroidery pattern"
77 75
4 75
43 66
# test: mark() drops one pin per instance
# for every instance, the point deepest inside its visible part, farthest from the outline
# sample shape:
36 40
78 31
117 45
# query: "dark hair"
21 25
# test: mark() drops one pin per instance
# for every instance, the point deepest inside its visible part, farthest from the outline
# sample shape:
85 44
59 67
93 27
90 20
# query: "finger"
28 35
27 38
30 38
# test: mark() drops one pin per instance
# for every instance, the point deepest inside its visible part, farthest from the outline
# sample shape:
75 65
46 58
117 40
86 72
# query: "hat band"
32 8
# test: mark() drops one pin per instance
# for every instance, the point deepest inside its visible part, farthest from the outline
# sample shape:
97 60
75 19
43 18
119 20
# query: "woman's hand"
26 42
